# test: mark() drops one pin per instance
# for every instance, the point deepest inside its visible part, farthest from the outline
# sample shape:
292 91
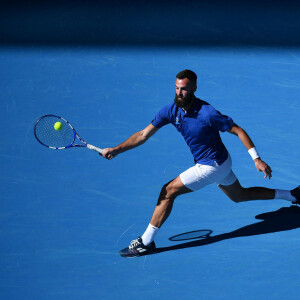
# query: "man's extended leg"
237 193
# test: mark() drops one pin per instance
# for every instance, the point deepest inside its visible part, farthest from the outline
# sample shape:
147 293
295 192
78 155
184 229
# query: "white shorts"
199 176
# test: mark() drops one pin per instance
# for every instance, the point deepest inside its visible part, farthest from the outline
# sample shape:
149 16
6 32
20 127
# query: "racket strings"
48 136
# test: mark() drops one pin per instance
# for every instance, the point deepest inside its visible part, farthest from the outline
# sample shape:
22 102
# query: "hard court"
64 215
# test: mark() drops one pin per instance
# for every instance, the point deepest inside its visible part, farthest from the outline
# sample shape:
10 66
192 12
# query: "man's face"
184 92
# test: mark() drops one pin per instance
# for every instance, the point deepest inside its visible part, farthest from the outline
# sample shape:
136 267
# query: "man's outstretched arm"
134 141
244 137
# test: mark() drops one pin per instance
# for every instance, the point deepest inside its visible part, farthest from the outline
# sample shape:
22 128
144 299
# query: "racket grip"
94 148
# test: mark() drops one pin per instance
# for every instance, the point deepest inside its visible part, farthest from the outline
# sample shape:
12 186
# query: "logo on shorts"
177 121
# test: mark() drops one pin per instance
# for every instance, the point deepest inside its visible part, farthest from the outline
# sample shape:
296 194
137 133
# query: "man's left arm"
246 140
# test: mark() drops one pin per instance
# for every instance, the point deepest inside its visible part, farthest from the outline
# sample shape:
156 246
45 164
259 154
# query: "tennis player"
200 124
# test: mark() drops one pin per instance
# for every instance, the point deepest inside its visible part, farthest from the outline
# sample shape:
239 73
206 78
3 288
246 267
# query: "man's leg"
166 199
145 244
237 193
163 208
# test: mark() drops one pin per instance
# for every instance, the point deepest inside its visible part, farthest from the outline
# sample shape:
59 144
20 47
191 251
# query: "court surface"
65 214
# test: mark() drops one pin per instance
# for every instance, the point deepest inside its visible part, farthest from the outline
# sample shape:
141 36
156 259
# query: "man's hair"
187 74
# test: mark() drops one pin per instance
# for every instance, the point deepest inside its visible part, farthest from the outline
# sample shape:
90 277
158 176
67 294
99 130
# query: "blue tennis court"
66 214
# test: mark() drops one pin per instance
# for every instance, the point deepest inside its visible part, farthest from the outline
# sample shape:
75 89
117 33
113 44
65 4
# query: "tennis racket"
63 138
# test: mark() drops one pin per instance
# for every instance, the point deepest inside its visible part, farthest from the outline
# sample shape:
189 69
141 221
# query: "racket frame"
71 145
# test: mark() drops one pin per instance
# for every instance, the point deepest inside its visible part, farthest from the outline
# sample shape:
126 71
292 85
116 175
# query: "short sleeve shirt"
200 128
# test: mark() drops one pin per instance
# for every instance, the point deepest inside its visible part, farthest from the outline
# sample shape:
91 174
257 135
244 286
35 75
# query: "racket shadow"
284 219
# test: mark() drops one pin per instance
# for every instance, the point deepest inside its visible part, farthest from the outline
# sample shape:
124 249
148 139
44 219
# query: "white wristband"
253 153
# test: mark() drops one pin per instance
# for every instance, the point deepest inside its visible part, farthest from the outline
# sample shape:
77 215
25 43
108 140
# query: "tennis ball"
57 126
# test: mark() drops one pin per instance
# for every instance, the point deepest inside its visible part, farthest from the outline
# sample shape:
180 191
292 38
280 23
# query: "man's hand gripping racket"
110 153
62 138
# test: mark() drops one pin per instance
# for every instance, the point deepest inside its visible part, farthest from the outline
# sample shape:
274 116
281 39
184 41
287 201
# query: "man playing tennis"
200 124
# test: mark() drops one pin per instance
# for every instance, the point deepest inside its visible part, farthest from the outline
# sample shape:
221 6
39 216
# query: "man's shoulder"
164 116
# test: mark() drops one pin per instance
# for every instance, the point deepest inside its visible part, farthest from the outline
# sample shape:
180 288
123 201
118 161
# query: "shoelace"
134 243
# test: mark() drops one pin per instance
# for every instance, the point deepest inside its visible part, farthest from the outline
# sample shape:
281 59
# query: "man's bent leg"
166 199
145 245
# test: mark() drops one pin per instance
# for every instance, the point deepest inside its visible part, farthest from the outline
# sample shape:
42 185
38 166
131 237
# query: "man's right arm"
134 141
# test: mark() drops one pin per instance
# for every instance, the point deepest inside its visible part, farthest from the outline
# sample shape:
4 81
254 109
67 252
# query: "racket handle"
94 148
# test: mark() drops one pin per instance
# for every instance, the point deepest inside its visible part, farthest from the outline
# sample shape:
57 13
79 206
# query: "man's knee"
237 195
235 192
236 198
170 190
240 195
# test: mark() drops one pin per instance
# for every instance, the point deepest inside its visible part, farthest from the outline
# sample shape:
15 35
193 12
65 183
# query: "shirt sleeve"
220 122
162 118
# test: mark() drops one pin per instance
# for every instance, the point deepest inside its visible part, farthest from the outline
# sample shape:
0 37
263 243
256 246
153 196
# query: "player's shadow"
286 218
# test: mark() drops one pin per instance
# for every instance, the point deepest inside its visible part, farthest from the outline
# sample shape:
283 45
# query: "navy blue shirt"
200 128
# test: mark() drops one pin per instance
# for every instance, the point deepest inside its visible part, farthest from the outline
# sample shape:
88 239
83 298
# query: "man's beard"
185 101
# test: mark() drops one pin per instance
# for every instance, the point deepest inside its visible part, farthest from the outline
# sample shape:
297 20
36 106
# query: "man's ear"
195 88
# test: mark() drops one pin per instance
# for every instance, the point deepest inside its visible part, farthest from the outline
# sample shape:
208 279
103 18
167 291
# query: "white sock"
149 234
285 195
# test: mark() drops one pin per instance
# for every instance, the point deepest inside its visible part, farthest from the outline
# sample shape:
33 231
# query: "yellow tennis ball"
57 126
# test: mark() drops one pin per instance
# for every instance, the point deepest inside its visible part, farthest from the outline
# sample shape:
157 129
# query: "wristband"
253 153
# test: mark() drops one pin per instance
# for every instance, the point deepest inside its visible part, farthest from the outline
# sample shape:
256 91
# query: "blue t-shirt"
200 128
